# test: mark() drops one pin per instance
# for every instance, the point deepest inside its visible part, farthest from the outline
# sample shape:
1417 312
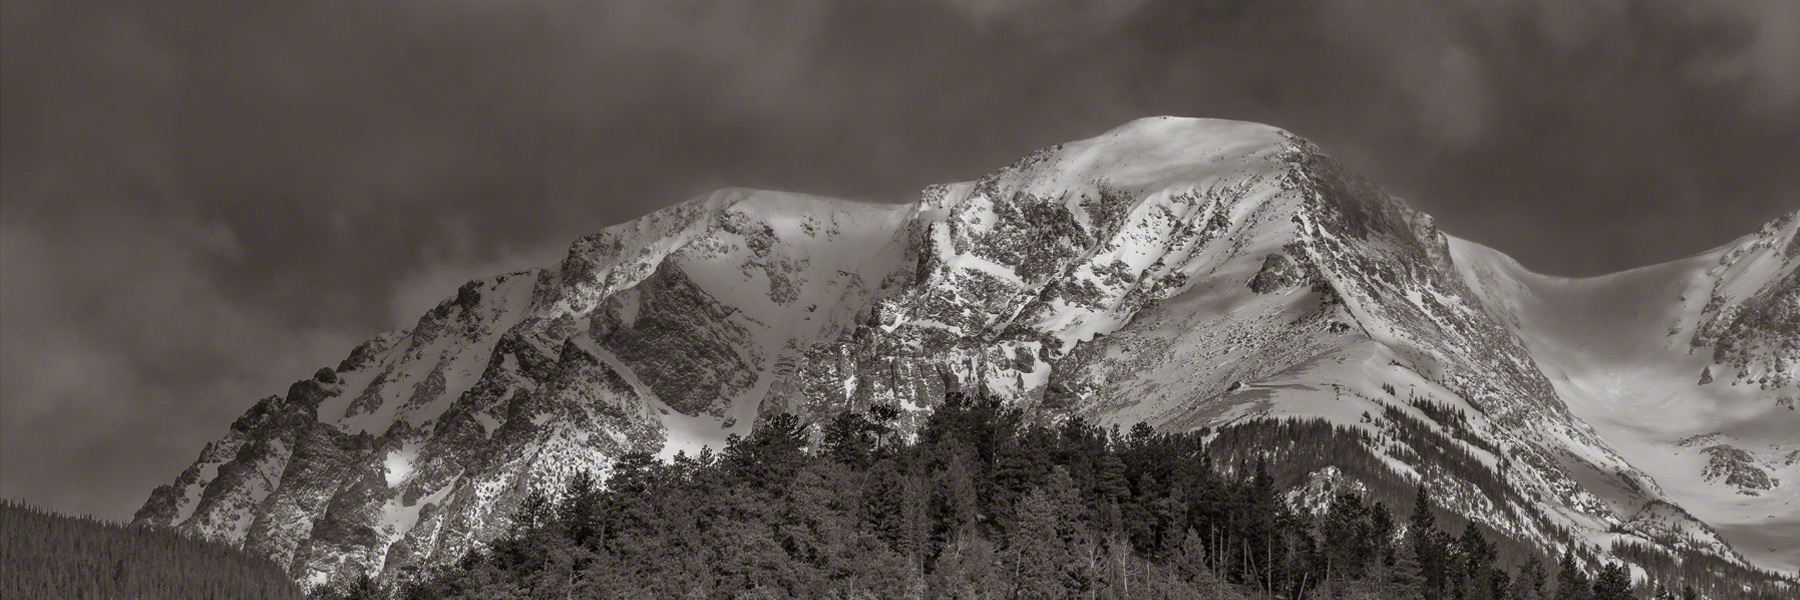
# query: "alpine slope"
1191 274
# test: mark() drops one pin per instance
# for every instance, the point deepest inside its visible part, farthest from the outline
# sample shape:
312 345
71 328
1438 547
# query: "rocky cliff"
1181 272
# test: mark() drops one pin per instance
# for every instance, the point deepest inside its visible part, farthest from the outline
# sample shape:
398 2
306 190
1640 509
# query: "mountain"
1687 369
1190 274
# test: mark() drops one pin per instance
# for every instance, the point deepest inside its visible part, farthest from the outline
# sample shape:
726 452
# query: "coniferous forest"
47 556
984 503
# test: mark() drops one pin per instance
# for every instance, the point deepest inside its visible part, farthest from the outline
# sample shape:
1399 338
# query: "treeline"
1715 577
52 556
984 503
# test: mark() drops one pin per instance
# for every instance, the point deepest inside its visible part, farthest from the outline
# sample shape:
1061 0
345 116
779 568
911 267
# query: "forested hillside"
44 555
984 503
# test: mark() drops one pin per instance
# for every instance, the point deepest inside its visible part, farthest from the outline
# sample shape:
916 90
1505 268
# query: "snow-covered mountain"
1181 272
1687 369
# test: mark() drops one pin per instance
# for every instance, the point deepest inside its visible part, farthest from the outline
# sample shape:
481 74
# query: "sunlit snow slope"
1686 368
1185 273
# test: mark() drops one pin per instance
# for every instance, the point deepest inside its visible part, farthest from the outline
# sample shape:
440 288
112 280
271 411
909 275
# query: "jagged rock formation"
1184 273
1735 467
1755 331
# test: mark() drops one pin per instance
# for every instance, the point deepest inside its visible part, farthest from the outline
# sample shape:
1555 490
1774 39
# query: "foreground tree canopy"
983 503
46 555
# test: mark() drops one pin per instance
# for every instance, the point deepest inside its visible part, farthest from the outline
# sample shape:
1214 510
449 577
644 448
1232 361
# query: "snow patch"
399 464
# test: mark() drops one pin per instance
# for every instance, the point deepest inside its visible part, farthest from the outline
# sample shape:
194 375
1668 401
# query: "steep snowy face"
1751 319
651 335
1015 271
1182 272
1688 369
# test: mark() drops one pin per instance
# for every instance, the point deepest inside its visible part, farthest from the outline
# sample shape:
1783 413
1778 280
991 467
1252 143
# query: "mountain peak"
1185 273
1202 131
1150 154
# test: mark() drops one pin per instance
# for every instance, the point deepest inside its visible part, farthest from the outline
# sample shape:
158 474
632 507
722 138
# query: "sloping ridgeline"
48 555
1190 274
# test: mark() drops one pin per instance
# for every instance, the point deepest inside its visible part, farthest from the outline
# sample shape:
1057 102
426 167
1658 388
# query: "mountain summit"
1185 273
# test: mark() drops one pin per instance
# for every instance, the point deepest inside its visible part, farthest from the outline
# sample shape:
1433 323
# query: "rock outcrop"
1179 272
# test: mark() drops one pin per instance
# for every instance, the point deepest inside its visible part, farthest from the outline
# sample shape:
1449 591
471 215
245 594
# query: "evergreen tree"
968 570
1571 582
1406 581
1037 555
534 513
576 510
362 587
1349 538
1192 567
1429 548
1499 584
1475 564
1531 581
955 507
1110 491
884 500
982 503
1613 583
849 438
1381 534
48 555
769 457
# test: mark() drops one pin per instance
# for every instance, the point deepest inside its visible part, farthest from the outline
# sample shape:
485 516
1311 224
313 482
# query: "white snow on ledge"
398 464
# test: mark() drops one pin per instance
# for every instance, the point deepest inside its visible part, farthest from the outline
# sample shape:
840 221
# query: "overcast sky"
204 201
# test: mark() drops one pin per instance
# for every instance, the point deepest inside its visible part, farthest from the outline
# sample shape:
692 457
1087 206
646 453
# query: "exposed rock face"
1736 468
1278 273
1185 273
1754 330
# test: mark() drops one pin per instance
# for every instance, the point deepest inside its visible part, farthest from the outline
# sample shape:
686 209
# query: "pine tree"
955 499
1499 584
968 569
1613 583
534 513
48 555
881 419
1531 581
1110 491
1350 537
1427 547
1421 519
1036 553
884 499
1476 557
1571 582
1190 562
847 439
773 452
1407 582
1018 467
362 587
575 511
982 504
1381 534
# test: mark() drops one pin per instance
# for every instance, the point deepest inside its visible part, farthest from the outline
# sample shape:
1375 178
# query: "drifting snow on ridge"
1183 272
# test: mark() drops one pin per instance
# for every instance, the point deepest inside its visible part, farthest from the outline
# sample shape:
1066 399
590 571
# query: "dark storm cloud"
206 200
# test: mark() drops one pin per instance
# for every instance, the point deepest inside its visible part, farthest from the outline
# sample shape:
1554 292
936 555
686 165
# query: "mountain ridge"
1087 279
